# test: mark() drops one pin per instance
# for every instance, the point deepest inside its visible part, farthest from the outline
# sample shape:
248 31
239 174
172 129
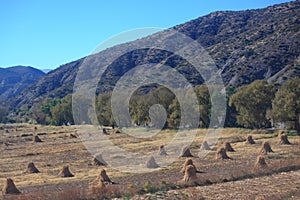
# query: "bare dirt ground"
224 179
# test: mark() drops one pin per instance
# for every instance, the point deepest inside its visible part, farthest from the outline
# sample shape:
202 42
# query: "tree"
286 105
62 112
3 114
252 102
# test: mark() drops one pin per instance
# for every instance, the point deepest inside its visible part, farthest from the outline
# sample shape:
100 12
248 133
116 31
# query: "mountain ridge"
14 80
245 45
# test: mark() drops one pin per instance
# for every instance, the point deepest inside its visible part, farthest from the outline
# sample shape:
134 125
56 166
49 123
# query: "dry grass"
58 150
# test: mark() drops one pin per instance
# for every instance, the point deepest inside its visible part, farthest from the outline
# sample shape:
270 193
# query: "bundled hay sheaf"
37 139
266 148
190 174
151 163
284 139
32 169
65 172
205 146
162 151
221 154
260 162
98 160
103 178
228 147
9 187
185 152
250 140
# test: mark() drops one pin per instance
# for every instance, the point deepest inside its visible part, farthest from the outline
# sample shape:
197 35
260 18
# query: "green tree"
62 112
252 102
3 114
286 105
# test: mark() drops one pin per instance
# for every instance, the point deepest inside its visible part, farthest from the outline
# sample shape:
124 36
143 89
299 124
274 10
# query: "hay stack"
98 160
185 152
250 140
266 148
151 163
280 132
221 154
260 162
65 172
72 135
228 147
284 139
104 131
188 162
37 139
32 169
204 146
162 151
103 178
9 187
190 174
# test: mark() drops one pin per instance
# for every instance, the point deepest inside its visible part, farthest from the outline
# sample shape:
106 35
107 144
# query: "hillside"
14 80
245 45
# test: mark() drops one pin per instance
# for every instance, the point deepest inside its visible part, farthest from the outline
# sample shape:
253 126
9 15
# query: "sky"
48 33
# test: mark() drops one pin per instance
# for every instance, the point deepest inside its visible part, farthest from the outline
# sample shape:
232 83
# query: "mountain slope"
14 80
245 45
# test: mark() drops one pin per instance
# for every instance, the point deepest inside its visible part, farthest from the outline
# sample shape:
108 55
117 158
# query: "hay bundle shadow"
205 146
32 169
162 151
260 162
151 163
36 138
9 187
228 147
65 172
221 154
99 161
250 140
103 178
265 148
185 152
190 174
284 139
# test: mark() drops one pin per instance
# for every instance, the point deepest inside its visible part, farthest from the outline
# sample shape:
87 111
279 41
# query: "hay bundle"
204 146
98 160
9 187
103 178
185 152
162 151
260 162
188 162
104 131
228 147
37 139
151 163
65 172
190 174
32 169
250 140
284 139
280 132
72 135
221 154
266 148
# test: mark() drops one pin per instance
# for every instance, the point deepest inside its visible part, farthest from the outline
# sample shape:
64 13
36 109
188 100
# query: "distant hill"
246 46
46 70
14 80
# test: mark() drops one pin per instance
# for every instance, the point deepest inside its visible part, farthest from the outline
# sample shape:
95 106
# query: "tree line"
257 105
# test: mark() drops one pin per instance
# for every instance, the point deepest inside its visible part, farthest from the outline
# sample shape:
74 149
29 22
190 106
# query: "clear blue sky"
48 33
